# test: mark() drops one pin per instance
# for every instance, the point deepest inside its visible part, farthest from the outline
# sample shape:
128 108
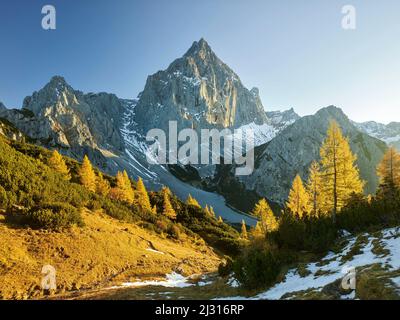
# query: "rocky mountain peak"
198 91
325 115
200 48
331 111
201 63
282 119
56 93
389 133
58 82
2 106
59 116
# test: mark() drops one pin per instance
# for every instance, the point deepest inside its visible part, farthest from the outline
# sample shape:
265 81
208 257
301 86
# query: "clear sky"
294 51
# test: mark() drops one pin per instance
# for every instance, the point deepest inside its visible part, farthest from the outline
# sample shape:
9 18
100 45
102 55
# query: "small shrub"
53 216
226 268
258 267
161 226
174 231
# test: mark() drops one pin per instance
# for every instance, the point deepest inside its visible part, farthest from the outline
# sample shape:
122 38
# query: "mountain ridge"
111 130
389 133
292 151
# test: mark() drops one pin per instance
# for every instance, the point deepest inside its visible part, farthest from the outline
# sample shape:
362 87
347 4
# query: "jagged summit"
282 119
56 90
331 110
198 47
200 61
58 80
390 133
2 106
198 91
58 84
79 123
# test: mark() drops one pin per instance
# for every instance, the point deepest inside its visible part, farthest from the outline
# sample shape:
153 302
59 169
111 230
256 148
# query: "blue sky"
295 52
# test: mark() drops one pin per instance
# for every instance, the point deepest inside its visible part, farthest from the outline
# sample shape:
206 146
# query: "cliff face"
59 116
198 91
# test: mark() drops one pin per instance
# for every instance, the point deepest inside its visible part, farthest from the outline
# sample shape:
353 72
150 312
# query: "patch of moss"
374 284
303 271
356 249
378 249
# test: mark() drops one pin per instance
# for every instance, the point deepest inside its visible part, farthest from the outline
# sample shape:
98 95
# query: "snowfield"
155 176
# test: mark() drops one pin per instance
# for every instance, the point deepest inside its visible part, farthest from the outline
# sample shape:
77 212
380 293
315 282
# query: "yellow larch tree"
123 190
257 231
388 171
244 231
192 201
57 163
168 210
141 196
339 172
166 190
103 186
212 212
314 189
87 175
298 201
207 210
264 213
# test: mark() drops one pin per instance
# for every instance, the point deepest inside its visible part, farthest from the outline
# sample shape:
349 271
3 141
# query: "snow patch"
172 280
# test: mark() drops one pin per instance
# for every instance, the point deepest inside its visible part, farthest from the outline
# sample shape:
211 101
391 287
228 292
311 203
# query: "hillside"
92 239
292 151
102 253
375 257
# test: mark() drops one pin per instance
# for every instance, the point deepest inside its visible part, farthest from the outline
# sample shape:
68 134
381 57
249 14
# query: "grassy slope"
105 251
110 247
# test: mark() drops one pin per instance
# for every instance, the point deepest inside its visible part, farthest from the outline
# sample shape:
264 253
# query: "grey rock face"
59 116
389 133
198 91
281 119
293 150
8 130
2 106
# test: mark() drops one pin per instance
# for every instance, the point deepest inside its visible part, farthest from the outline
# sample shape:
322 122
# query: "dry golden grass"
104 252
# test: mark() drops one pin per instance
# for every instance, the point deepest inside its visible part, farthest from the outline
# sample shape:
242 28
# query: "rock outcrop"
2 107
